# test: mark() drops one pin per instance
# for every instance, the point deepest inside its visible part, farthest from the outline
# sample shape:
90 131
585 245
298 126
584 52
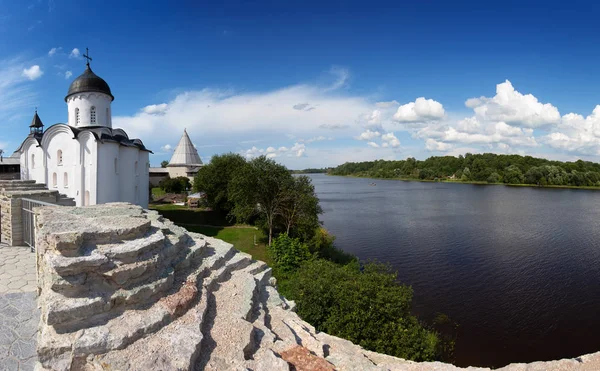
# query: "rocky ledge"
121 288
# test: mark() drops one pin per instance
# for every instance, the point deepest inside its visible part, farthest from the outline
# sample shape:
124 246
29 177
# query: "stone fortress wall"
121 288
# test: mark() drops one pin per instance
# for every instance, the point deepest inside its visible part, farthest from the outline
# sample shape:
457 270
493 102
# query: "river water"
517 268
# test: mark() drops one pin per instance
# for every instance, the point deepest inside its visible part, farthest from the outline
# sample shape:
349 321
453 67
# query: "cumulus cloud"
166 148
155 109
33 73
369 135
576 134
390 139
514 108
435 146
53 51
75 53
297 150
421 110
68 74
373 145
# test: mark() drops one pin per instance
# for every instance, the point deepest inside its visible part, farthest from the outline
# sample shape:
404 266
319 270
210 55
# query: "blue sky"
316 84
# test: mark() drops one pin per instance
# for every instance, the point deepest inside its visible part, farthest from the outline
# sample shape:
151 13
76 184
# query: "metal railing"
28 219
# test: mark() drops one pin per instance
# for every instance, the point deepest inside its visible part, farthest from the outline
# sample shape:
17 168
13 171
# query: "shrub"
288 253
175 185
366 306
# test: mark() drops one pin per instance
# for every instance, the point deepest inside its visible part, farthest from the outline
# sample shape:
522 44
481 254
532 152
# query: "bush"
175 185
288 253
493 178
321 246
366 306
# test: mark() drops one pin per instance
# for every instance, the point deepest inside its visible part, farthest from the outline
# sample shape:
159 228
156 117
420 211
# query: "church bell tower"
89 99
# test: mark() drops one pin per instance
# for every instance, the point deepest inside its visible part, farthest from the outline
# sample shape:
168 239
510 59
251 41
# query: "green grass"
158 192
215 224
242 238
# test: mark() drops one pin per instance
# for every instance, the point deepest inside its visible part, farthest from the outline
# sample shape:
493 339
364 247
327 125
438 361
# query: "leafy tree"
259 189
300 207
466 175
366 306
214 178
288 253
175 185
493 178
164 164
513 175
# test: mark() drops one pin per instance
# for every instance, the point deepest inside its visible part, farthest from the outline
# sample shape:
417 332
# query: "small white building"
185 162
86 159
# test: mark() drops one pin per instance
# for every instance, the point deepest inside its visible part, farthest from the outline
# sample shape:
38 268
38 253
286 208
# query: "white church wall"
128 175
61 158
84 103
144 179
32 162
108 172
89 155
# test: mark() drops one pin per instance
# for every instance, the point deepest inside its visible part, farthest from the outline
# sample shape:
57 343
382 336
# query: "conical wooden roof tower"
185 153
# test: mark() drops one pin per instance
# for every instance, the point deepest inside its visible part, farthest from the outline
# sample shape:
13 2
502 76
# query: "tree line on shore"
486 167
333 291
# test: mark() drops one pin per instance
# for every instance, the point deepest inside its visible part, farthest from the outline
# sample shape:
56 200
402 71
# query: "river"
517 268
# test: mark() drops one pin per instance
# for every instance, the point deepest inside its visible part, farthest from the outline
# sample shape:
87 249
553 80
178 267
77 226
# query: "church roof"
88 81
36 122
185 154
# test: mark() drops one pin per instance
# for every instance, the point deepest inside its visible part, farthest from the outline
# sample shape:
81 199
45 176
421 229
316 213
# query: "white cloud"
53 51
166 148
297 150
266 114
391 140
75 53
342 75
33 73
368 135
577 134
15 93
421 110
155 109
68 74
435 146
373 144
514 108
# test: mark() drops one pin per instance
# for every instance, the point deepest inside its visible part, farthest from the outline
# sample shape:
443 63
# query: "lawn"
158 192
214 224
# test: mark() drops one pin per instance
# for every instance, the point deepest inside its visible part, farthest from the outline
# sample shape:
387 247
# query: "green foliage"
365 306
493 178
164 164
259 189
175 185
299 208
288 253
214 178
511 169
321 246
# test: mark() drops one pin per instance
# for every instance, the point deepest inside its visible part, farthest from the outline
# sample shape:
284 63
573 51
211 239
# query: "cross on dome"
87 56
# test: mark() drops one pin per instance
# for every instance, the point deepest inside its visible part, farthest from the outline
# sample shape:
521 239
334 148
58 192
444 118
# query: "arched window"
32 161
66 180
77 118
93 116
54 180
59 160
86 200
116 166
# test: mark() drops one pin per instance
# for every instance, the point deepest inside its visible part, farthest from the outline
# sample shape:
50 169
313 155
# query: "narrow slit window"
66 180
93 115
77 118
54 180
59 157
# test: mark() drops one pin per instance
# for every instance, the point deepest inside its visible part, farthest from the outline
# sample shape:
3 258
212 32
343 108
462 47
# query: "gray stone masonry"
121 288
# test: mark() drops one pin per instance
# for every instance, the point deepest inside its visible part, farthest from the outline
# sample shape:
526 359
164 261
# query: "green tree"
175 185
164 164
493 178
366 306
259 189
214 178
513 175
299 208
288 253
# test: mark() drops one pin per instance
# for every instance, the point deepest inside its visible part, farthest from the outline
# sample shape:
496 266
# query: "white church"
86 159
